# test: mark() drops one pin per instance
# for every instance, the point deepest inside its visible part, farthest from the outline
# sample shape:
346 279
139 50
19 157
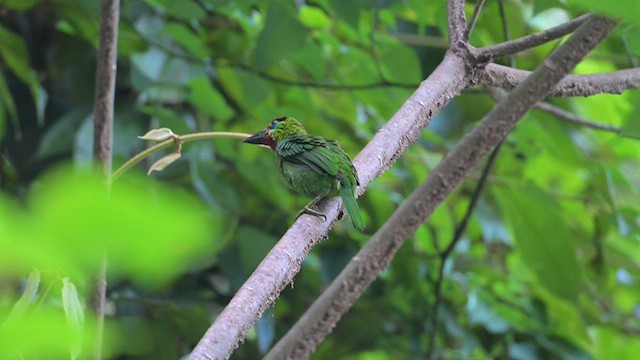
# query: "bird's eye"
274 123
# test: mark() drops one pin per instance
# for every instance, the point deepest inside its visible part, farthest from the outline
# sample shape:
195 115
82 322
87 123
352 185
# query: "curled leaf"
163 162
158 135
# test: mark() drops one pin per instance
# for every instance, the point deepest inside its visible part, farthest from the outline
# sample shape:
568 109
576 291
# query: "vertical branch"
456 22
105 84
103 139
472 22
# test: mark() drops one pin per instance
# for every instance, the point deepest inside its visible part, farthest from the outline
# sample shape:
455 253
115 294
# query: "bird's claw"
310 211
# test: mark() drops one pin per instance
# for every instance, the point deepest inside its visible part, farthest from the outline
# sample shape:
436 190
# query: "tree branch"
103 141
568 116
561 114
615 82
325 312
472 22
490 53
105 84
456 22
282 263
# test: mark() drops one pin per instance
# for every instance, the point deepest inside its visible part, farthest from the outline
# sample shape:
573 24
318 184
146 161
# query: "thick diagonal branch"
326 311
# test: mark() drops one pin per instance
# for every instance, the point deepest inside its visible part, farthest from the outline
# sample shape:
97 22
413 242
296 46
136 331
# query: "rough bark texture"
615 82
103 140
105 84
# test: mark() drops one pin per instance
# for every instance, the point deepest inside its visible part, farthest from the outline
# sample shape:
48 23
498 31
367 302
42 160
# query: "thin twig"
489 53
568 116
505 31
456 22
444 255
559 113
472 22
167 143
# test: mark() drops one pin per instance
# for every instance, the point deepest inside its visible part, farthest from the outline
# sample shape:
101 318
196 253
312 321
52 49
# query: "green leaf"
185 9
208 100
627 9
74 313
28 295
348 11
245 88
543 239
611 343
399 63
281 37
313 17
165 231
13 51
20 5
8 106
631 127
184 36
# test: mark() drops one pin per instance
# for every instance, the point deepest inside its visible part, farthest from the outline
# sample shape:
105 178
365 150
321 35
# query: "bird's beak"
257 138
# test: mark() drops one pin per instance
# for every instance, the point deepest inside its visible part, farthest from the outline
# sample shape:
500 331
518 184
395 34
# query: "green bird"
312 165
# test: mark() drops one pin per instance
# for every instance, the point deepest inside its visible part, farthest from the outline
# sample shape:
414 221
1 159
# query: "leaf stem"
165 144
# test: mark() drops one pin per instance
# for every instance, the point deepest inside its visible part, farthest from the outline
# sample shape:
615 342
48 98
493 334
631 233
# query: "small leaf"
158 135
164 162
29 293
74 313
72 304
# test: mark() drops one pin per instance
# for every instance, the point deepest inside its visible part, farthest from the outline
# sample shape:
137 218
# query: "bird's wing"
313 151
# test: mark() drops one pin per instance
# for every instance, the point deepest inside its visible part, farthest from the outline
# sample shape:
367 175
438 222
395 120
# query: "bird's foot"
310 211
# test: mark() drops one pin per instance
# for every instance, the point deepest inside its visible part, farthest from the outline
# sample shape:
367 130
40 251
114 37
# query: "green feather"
350 203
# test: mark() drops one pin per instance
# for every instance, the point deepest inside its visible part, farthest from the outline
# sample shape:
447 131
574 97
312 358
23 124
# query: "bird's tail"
350 203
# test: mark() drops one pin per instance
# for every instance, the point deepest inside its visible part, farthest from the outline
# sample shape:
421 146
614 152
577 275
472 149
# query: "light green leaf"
627 9
314 17
611 343
208 100
188 39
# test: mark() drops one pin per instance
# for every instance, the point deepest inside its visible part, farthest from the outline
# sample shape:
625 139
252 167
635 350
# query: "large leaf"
282 36
543 239
14 53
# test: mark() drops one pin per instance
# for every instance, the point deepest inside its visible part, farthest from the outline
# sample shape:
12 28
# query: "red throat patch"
270 142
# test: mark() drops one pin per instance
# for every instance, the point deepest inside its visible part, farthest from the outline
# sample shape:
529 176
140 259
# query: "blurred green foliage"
548 268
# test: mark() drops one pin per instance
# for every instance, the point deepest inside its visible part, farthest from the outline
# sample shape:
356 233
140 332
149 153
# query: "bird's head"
278 130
